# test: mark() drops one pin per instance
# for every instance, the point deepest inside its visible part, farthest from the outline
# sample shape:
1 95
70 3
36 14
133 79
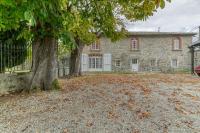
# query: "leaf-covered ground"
108 103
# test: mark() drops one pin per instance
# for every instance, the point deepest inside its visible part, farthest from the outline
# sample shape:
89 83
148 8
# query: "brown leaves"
65 130
180 109
95 80
89 124
113 115
143 114
194 98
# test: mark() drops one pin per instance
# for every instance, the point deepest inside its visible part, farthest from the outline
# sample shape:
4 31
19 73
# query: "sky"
179 15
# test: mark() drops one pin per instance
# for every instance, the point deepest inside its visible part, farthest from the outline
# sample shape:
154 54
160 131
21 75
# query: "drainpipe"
192 60
199 33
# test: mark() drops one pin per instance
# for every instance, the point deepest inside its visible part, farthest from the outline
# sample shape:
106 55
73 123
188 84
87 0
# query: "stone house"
139 51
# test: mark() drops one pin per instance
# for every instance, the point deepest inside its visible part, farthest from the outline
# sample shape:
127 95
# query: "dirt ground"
108 103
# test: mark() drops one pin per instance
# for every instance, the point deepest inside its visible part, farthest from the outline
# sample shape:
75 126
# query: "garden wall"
10 83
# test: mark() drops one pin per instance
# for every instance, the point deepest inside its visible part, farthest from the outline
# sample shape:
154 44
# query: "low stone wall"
10 83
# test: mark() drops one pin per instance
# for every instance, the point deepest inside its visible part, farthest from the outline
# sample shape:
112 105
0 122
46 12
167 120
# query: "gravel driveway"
108 103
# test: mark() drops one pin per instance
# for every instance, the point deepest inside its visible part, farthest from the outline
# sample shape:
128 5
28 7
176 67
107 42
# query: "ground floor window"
153 62
118 63
95 62
134 61
174 63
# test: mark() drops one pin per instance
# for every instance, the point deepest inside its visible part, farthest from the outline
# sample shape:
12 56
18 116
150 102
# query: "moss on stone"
55 85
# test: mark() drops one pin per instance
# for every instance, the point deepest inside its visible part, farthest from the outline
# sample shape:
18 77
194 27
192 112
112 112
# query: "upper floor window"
134 44
177 44
95 45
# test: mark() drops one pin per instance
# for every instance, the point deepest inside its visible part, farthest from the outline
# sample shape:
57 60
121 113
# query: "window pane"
95 62
176 44
90 63
134 44
100 63
174 63
95 45
117 63
134 61
153 62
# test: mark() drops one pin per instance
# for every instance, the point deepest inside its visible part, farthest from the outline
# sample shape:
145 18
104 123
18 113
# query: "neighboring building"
196 47
140 51
197 58
195 55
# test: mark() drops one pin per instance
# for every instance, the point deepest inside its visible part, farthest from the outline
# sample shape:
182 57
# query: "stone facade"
197 58
155 51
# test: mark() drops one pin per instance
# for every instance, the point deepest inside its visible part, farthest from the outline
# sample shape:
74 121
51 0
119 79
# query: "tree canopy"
79 17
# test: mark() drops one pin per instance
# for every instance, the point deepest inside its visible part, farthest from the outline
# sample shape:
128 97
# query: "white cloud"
179 15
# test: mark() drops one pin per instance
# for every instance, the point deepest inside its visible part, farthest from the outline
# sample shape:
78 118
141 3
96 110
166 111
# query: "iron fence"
15 58
18 59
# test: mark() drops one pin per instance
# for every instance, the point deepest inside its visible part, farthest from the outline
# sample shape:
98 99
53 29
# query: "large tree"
46 20
74 21
105 18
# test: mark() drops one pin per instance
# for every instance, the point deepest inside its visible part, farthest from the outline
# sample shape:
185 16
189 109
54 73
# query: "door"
135 65
95 63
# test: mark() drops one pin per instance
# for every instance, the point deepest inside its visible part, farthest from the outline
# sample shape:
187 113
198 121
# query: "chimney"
159 29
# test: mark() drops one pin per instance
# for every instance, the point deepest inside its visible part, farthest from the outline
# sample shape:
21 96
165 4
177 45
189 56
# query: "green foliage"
63 50
55 85
70 19
106 17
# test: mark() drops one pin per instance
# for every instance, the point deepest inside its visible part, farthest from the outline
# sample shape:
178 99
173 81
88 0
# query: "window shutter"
84 63
107 59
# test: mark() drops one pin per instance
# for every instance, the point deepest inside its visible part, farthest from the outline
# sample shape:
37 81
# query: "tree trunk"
75 59
44 63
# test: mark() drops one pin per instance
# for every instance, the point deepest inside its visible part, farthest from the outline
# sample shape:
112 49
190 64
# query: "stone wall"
10 83
197 58
158 47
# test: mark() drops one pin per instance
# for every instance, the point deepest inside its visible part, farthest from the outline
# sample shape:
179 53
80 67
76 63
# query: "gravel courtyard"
108 103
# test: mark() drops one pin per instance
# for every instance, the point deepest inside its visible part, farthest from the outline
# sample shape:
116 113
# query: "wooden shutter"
84 63
107 60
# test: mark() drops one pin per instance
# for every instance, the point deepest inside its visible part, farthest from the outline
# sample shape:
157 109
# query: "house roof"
163 33
195 44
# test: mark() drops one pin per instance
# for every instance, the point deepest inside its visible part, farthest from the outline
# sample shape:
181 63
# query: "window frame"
134 61
137 48
95 46
95 62
180 44
116 63
172 65
155 63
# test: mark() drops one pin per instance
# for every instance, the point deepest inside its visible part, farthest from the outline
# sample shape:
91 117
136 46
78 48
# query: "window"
177 44
153 63
118 63
134 44
95 62
174 63
134 61
95 45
